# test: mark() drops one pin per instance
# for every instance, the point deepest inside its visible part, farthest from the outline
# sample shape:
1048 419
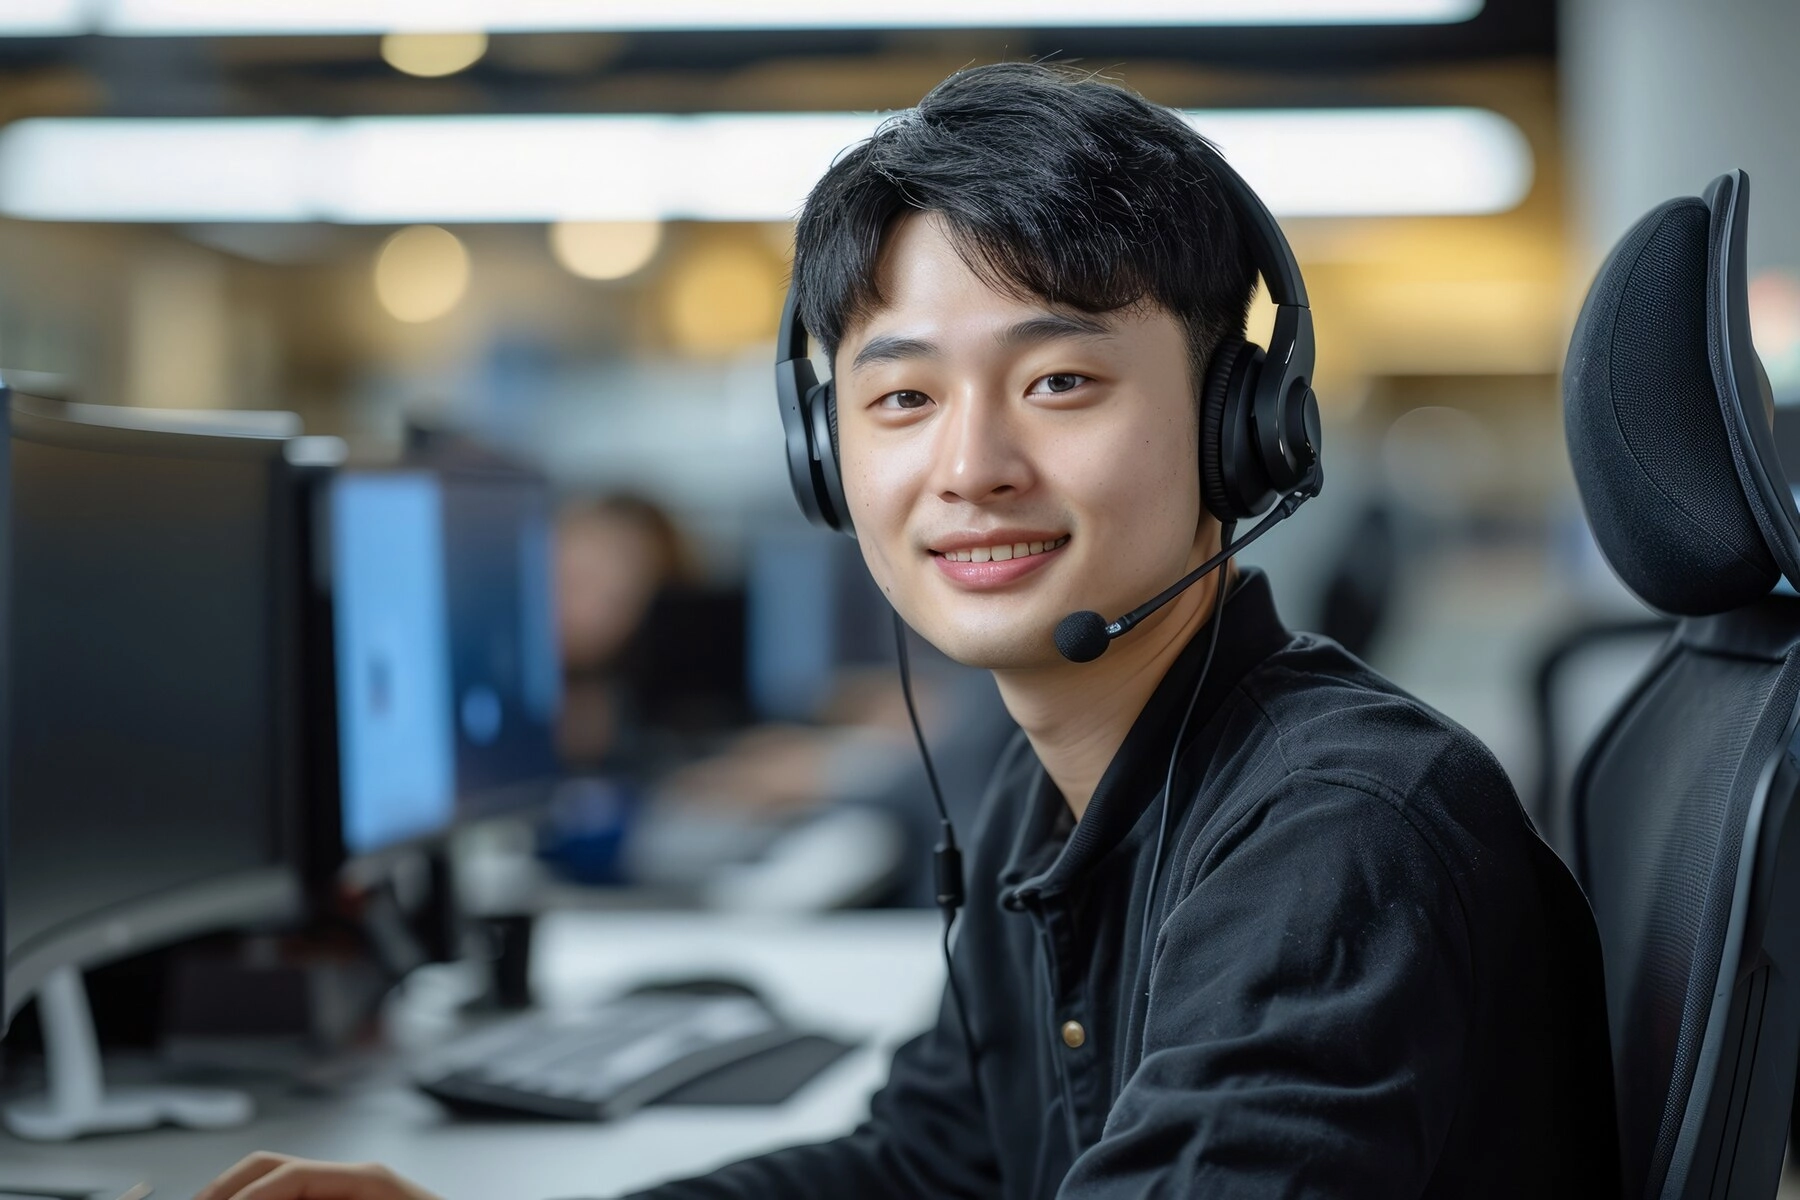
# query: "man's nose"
980 454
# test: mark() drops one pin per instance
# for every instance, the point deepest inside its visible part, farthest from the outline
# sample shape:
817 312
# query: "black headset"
1259 420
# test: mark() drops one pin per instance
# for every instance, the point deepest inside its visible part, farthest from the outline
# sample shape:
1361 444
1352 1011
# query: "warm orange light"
722 297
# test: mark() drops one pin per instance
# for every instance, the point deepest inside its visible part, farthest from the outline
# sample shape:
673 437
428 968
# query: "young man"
1364 975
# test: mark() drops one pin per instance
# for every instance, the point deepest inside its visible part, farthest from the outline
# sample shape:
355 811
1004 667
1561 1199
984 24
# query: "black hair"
1053 184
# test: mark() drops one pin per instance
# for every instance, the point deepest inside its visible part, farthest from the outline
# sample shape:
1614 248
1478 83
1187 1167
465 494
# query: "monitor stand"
78 1101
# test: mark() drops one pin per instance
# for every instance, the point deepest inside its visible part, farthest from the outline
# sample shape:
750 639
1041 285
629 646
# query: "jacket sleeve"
1309 1006
926 1136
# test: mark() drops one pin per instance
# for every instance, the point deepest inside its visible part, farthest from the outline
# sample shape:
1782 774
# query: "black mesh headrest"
1646 415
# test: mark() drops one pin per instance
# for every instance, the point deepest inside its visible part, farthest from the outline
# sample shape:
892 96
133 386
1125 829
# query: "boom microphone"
1084 636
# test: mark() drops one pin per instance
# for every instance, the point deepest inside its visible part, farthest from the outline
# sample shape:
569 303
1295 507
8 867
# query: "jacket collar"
1042 860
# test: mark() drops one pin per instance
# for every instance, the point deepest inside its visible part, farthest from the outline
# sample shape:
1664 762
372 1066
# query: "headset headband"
1269 248
791 343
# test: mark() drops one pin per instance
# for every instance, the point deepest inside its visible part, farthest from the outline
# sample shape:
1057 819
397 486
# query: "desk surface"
874 977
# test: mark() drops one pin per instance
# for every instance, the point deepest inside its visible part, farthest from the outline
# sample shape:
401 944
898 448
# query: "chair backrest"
1681 807
1581 675
1673 806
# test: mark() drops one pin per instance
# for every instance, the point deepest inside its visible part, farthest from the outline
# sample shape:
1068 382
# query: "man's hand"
265 1176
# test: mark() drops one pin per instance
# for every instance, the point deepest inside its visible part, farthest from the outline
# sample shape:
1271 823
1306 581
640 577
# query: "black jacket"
1369 978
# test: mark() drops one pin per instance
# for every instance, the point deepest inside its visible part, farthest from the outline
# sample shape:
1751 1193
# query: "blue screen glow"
396 735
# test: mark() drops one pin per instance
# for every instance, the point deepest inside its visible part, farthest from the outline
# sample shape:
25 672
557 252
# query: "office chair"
1576 679
1682 804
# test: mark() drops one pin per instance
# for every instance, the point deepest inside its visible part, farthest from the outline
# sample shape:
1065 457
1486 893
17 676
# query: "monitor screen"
147 644
395 741
812 610
504 666
444 646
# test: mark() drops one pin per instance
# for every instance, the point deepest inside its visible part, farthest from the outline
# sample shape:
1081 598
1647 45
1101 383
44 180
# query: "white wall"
1661 96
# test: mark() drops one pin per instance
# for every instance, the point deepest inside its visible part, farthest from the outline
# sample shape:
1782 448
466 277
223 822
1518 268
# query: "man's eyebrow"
1050 326
1044 327
892 348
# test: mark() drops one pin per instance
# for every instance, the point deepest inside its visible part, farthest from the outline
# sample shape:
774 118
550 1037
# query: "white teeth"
1003 553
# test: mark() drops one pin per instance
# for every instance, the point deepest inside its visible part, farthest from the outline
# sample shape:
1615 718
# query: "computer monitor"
396 747
504 666
812 609
153 654
684 669
439 628
151 658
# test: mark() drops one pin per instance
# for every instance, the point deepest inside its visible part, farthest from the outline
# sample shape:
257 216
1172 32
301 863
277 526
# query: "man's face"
1006 462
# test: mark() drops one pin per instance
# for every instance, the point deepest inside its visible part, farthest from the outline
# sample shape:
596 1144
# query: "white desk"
875 977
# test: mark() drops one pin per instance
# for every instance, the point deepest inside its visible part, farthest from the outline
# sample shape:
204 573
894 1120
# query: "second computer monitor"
396 744
447 681
813 611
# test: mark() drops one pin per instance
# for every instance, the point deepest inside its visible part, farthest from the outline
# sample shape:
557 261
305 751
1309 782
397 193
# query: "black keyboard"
603 1062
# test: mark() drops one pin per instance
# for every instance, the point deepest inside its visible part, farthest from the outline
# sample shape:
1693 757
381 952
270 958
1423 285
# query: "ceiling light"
1375 162
432 54
236 17
711 167
46 18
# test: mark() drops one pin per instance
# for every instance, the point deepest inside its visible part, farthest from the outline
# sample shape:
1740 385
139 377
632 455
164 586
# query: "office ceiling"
673 72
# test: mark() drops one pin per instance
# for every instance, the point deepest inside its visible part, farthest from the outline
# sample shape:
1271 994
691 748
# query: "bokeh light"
1775 326
1441 460
433 54
604 249
722 296
421 273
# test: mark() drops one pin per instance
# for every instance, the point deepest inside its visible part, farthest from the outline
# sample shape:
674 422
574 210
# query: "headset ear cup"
796 386
830 477
831 421
1288 431
1225 397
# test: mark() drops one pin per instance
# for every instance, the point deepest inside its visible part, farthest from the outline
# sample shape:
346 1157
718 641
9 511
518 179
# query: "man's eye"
1062 381
904 400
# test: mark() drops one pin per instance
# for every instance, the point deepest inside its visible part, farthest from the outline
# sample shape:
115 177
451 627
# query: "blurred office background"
557 237
562 237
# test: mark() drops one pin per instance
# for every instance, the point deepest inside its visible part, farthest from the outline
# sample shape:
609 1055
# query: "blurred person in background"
851 776
1349 969
614 555
849 792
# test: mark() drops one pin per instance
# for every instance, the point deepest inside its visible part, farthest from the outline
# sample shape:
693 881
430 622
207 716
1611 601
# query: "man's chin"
1030 644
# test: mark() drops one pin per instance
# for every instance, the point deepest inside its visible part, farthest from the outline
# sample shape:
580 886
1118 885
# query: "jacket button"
1073 1035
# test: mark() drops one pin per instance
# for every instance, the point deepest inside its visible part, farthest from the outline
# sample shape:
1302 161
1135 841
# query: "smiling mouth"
1003 552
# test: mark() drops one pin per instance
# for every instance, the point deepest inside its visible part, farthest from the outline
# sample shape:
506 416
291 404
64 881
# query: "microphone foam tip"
1081 637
